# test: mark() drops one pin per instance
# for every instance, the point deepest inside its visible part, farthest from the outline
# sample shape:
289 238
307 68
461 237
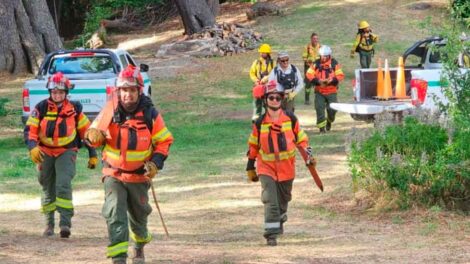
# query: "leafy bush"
415 161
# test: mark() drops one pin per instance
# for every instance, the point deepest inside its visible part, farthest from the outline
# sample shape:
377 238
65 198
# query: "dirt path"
221 222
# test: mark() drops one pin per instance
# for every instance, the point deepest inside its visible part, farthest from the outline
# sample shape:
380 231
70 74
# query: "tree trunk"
196 15
27 32
214 7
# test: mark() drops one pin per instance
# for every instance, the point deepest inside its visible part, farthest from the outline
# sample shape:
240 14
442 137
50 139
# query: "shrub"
415 161
3 110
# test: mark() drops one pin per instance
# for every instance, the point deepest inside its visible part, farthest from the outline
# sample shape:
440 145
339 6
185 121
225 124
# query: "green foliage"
3 110
415 160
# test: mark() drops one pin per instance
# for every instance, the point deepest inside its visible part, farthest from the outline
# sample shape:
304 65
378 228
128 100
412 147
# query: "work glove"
36 155
324 82
151 169
352 54
291 95
333 81
94 136
92 162
251 171
264 80
311 160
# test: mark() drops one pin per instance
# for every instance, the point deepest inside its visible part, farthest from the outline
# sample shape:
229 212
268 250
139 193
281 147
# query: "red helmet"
59 81
272 87
130 77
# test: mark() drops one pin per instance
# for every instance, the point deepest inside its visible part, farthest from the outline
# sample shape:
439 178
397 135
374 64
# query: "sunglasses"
285 60
272 98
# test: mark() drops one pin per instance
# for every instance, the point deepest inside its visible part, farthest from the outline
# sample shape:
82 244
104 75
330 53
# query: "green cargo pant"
125 201
365 58
275 197
257 109
322 103
55 177
308 84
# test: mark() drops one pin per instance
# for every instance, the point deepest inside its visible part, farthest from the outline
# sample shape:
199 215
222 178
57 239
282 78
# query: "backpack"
77 106
288 81
291 115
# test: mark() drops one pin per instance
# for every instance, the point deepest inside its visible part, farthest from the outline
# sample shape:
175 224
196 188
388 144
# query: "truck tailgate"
368 107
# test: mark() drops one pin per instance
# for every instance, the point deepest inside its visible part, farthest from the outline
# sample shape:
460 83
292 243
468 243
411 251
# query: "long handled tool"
158 208
311 168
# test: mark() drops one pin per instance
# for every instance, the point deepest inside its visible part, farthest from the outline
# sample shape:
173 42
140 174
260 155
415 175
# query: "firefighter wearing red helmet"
53 132
136 145
272 143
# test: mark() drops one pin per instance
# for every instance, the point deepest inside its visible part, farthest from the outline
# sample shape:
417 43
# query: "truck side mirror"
144 67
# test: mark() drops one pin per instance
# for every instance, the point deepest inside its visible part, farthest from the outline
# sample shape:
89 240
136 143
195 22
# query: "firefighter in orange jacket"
135 147
272 145
53 133
325 74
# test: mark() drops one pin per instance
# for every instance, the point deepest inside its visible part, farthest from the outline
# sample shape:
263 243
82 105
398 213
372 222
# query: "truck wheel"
365 118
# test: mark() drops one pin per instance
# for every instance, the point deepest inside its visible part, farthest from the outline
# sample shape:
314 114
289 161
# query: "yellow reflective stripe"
301 136
117 249
64 203
48 208
82 122
139 239
286 126
115 154
51 116
339 72
283 155
253 140
161 135
62 141
265 128
321 124
32 121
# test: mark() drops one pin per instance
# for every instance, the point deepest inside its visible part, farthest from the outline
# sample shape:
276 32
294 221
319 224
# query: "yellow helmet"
363 24
265 48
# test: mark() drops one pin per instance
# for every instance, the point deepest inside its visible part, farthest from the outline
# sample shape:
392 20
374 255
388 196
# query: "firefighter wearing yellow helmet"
259 71
364 44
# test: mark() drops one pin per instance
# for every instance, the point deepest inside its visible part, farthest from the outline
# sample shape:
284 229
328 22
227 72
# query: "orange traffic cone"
380 79
387 93
400 87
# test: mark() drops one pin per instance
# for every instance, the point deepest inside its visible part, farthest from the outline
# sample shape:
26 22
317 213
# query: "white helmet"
324 51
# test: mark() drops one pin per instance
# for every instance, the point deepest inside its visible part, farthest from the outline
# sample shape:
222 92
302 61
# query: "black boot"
64 232
328 125
119 261
139 257
322 130
271 241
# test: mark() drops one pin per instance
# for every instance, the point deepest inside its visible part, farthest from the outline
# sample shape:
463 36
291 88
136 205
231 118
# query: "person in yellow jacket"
259 71
309 55
364 44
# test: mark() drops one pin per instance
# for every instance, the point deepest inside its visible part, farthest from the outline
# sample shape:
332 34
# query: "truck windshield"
82 65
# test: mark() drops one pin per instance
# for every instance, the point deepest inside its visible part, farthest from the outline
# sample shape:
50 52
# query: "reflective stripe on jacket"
131 143
310 52
330 71
365 43
261 68
274 145
55 129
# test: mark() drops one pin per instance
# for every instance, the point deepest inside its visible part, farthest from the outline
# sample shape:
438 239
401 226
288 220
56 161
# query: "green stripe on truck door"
74 91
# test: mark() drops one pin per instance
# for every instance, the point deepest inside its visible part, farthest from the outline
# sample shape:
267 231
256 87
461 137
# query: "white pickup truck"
427 68
93 72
